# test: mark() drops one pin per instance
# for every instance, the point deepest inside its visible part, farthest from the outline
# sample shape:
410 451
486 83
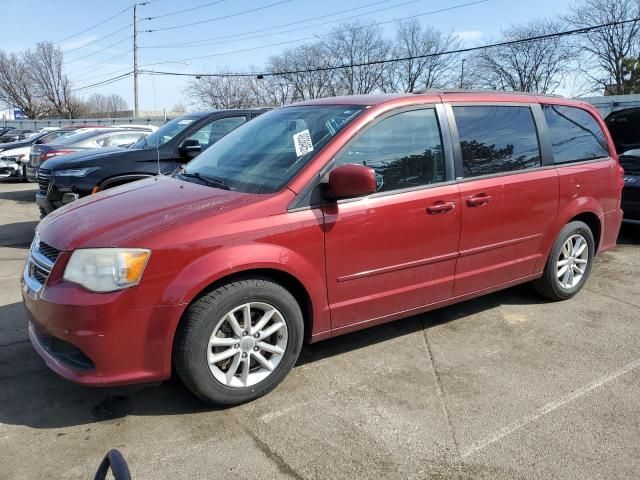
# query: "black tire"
549 285
200 319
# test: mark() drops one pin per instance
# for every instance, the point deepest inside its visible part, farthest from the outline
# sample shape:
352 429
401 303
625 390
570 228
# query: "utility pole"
135 61
461 74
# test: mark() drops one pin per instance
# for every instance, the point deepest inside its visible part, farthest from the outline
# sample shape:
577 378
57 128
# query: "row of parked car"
73 162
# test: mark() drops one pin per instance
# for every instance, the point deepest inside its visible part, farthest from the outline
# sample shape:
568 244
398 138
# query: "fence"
61 122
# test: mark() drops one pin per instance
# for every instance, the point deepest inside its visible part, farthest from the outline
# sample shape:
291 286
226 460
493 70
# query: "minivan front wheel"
569 262
239 341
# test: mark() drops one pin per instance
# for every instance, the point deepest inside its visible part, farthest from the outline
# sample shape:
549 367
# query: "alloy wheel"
247 344
572 261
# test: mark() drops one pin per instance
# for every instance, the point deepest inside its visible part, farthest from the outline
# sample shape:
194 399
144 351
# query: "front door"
393 251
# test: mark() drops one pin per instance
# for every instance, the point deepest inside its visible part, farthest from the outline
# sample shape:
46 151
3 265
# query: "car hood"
12 145
124 215
15 151
83 158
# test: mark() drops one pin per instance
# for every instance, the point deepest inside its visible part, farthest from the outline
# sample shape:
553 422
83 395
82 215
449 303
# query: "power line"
185 10
173 27
275 27
98 39
313 37
578 31
98 51
103 63
94 26
106 74
104 82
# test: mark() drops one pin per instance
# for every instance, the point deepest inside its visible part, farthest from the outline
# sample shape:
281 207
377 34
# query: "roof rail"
482 90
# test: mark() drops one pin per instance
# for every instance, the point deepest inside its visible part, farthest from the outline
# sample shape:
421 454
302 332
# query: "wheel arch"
121 180
285 279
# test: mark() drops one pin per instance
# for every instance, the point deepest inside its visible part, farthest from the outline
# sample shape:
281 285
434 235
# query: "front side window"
166 132
214 131
263 155
575 134
405 150
496 139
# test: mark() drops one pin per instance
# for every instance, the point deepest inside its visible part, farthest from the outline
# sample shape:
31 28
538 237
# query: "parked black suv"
66 178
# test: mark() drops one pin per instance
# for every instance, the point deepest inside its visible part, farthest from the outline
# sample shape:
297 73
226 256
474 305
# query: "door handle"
479 200
441 207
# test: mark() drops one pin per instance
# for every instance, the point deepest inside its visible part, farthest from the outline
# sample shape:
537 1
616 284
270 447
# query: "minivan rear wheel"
569 262
239 341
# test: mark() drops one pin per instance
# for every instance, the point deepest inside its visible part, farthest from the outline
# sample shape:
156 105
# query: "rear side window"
575 134
496 139
405 150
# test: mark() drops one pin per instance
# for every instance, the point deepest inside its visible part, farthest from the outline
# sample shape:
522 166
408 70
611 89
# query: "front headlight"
106 269
75 172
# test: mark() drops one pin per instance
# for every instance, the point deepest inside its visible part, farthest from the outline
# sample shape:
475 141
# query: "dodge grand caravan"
318 219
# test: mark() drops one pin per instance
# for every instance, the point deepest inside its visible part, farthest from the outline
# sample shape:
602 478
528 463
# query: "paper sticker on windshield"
302 141
184 122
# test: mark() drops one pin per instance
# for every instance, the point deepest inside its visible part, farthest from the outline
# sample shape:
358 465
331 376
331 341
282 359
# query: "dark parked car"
630 161
81 141
67 178
318 219
14 135
624 126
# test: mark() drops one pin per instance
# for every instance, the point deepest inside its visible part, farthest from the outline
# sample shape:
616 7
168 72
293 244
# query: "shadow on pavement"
40 399
21 196
17 235
629 234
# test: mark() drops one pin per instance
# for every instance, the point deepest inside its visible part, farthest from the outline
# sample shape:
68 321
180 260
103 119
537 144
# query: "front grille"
39 274
44 177
41 259
48 251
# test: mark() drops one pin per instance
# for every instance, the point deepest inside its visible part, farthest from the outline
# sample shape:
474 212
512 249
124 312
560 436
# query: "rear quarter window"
575 135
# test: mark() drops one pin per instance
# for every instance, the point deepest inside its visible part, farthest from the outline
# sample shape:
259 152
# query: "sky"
224 26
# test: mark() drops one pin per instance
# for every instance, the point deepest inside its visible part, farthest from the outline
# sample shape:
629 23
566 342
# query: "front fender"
203 271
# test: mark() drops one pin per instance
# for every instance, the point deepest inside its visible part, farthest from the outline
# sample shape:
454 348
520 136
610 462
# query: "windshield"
263 155
165 133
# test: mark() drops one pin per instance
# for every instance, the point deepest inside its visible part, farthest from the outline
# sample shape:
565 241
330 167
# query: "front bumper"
99 339
631 202
9 168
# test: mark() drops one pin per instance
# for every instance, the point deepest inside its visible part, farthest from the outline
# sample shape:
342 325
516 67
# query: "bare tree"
304 73
45 69
528 66
606 48
220 91
358 43
179 108
98 104
17 88
432 71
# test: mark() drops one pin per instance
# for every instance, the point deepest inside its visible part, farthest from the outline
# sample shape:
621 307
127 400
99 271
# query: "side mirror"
38 142
190 148
351 180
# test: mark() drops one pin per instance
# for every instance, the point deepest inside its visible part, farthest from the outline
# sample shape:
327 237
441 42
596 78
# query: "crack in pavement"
18 342
280 462
439 390
611 297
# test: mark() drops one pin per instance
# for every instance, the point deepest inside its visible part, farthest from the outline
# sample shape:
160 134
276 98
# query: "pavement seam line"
610 297
439 390
548 408
17 342
280 462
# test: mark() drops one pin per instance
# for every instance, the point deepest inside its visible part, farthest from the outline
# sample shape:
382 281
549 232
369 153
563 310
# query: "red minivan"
318 219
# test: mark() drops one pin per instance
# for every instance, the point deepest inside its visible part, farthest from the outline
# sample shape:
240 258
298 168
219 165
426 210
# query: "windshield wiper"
211 181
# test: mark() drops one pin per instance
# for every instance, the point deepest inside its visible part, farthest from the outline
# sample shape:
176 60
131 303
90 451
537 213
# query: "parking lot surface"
504 386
